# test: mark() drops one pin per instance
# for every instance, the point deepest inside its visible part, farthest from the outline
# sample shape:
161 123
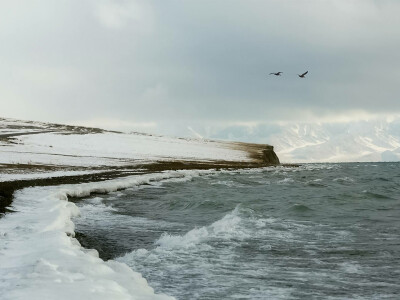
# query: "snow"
109 149
15 126
40 258
130 146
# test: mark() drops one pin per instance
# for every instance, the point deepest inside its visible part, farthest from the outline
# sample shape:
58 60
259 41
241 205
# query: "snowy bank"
59 145
41 259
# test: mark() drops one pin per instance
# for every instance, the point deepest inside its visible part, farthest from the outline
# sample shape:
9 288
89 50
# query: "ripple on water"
375 195
316 232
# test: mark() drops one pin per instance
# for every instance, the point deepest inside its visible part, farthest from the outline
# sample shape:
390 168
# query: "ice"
41 259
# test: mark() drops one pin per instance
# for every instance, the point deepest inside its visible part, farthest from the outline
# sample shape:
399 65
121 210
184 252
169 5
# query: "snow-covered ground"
67 146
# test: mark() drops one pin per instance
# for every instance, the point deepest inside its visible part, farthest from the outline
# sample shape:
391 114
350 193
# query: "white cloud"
120 14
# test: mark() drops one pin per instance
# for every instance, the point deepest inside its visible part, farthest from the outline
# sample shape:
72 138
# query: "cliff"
34 153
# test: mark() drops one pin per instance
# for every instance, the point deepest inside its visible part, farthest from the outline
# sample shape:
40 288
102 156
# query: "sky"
175 66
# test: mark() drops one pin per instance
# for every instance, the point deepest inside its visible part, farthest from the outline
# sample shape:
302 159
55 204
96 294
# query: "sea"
317 231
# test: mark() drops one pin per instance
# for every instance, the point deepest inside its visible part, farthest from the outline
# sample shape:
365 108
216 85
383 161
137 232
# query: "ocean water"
319 231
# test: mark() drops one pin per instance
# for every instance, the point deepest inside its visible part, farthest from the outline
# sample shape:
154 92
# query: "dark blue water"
322 231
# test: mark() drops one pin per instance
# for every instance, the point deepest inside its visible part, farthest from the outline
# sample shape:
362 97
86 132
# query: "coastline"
40 173
7 188
50 211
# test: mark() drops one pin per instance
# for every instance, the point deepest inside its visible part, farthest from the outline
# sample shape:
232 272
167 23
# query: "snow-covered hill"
360 141
34 146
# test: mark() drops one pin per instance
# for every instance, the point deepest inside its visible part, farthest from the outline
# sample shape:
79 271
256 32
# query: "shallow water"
321 231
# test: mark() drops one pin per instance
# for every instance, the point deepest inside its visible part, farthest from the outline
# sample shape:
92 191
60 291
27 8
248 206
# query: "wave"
286 180
226 228
344 179
300 208
42 259
195 255
375 195
316 183
208 260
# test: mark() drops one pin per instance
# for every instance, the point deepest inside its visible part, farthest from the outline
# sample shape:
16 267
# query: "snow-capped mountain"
376 140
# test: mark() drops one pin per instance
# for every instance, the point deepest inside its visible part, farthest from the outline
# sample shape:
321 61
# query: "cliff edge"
263 154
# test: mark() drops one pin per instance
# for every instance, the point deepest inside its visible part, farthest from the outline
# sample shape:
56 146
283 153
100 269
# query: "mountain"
374 140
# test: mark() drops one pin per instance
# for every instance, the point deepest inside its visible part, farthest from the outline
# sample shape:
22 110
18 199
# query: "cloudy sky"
160 66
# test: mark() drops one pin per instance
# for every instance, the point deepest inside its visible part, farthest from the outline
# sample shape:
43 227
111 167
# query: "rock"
269 156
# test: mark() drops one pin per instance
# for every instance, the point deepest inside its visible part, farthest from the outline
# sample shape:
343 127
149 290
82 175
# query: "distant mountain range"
377 140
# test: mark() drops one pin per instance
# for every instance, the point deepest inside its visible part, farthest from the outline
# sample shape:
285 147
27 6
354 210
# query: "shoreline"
60 253
7 188
44 173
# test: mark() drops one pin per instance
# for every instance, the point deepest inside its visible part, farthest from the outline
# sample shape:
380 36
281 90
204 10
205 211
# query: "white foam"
344 179
286 180
351 267
226 228
228 183
203 255
40 261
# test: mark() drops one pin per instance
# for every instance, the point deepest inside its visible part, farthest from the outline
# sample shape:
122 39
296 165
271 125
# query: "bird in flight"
276 74
302 75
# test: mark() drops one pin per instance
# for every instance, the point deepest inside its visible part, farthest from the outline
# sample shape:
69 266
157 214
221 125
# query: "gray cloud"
197 62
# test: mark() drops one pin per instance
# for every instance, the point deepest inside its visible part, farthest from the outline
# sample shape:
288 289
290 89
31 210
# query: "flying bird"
302 75
276 74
